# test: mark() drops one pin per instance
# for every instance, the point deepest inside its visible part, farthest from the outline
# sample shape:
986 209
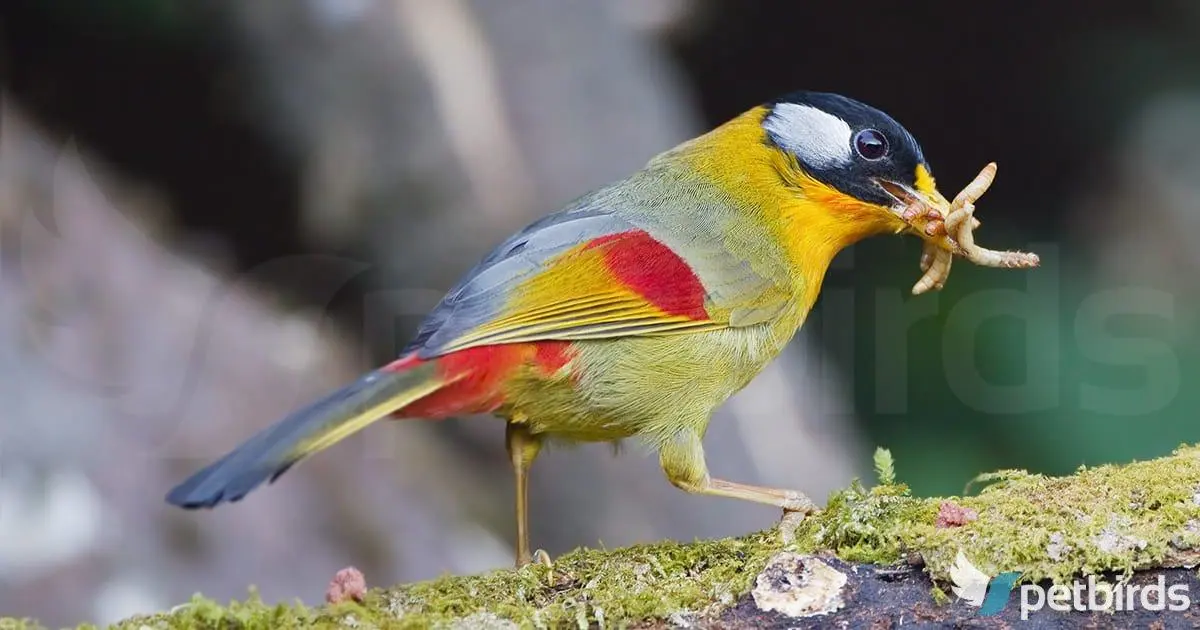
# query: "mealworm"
960 224
1006 260
935 276
954 225
927 253
974 190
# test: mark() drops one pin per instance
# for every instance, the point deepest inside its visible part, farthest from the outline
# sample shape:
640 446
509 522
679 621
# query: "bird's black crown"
844 143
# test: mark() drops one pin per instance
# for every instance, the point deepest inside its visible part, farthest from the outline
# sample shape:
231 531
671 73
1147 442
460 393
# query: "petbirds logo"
989 595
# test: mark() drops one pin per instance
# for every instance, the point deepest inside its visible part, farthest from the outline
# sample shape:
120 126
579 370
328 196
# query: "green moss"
1118 518
251 614
583 588
1108 518
885 466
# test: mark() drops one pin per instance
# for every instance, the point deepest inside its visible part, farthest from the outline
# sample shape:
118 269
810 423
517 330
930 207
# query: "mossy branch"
1111 519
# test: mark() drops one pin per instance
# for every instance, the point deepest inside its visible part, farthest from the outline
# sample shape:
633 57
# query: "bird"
639 308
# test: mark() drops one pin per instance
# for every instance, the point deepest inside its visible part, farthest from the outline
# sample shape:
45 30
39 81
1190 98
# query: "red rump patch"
487 370
481 390
654 272
552 356
404 363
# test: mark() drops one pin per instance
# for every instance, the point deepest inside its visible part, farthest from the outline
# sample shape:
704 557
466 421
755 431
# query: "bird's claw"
797 502
537 557
792 519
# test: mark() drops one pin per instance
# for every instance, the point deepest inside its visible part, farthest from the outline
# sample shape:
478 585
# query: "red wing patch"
654 271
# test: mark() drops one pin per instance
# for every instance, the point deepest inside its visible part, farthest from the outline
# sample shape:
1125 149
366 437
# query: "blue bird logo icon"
973 586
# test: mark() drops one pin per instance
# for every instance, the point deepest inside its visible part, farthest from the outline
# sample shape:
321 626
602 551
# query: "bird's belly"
652 386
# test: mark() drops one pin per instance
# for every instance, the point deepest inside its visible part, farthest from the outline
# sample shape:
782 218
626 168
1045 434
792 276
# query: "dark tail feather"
271 452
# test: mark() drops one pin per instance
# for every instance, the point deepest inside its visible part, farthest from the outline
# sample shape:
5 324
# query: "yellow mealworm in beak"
935 274
974 190
960 225
927 252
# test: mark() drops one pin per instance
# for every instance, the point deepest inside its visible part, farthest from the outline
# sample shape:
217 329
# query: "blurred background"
211 213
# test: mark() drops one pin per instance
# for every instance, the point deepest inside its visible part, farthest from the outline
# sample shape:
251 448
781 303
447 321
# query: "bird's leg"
523 448
682 460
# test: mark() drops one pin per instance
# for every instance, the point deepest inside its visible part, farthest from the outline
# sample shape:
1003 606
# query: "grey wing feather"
482 292
751 293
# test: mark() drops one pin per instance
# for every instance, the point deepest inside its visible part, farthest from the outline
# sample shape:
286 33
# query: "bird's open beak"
921 214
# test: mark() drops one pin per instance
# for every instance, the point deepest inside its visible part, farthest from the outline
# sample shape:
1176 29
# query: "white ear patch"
815 137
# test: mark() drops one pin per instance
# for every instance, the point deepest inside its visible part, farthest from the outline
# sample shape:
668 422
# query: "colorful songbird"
642 306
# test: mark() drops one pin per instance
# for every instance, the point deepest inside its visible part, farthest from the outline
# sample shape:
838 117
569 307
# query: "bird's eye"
870 144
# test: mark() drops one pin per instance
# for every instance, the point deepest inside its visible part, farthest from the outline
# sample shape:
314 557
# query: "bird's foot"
792 519
538 557
797 502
